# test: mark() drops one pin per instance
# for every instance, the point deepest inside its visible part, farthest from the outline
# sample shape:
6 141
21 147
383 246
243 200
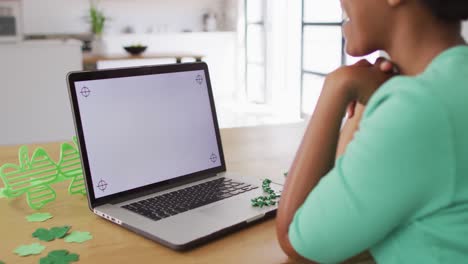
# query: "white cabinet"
34 104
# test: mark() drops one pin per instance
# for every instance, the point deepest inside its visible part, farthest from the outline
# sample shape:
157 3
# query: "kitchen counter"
90 60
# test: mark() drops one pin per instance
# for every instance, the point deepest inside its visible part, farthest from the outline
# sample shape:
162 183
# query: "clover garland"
268 200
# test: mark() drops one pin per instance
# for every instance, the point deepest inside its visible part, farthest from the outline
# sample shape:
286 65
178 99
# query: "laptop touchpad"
234 211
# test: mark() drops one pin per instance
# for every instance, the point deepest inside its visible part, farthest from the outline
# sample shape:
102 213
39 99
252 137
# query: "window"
255 43
322 48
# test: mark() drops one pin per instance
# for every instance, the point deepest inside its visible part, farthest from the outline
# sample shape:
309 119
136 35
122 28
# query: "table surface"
256 152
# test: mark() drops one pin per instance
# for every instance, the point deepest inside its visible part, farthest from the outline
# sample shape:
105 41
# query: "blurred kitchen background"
267 58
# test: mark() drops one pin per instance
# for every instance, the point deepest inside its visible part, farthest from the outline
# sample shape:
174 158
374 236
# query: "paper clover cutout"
60 232
78 237
38 217
26 250
49 235
59 257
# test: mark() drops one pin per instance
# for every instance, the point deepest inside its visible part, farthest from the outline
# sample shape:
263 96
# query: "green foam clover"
38 217
59 232
49 235
78 237
43 234
26 250
59 257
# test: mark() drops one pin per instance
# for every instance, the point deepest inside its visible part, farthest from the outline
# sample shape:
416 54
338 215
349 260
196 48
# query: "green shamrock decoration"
26 250
36 175
43 234
269 199
60 232
31 177
38 217
69 167
59 257
78 237
49 235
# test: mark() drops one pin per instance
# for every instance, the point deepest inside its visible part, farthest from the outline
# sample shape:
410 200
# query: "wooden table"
259 152
90 60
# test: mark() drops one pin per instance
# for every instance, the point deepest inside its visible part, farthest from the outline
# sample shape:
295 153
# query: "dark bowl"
135 50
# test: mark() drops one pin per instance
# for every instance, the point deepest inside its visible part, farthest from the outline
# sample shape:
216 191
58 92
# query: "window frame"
304 72
248 62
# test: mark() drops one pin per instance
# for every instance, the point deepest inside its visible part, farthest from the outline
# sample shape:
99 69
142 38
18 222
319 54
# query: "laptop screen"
146 129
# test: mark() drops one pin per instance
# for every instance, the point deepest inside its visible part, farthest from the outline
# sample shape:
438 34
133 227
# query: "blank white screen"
146 129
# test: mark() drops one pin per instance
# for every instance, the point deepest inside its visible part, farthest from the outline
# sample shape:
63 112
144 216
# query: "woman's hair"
448 10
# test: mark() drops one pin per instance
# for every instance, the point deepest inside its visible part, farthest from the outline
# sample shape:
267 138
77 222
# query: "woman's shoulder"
443 81
450 62
403 94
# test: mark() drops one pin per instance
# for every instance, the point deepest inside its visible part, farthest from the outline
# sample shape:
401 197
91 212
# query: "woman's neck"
418 42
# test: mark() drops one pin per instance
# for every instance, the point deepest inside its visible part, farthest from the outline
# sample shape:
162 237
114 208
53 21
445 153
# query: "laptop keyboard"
179 201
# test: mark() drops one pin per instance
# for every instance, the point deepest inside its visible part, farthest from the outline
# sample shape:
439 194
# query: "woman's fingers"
385 65
351 109
381 63
363 63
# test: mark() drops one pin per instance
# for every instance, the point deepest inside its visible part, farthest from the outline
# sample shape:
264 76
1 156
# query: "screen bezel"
74 77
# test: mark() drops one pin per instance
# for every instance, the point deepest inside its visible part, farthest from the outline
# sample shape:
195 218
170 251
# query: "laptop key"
180 209
189 198
225 195
235 192
155 217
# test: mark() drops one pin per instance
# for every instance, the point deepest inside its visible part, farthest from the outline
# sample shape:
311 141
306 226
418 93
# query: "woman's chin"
355 51
351 50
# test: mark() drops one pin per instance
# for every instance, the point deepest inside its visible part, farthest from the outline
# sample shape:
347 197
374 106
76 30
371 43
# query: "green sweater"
401 188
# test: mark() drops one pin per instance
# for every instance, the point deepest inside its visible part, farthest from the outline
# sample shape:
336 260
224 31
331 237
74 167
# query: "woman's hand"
361 80
355 110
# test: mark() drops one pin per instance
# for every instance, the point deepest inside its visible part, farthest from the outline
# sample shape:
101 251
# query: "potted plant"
97 22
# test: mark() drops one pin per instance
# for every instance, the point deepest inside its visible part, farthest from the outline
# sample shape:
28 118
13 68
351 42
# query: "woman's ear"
394 3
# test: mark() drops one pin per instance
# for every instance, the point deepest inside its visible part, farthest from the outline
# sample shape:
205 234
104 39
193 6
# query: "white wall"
69 16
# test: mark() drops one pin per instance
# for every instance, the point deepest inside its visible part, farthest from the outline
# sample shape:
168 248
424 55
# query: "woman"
400 187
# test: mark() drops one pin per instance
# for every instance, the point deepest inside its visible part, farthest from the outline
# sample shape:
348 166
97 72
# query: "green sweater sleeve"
392 172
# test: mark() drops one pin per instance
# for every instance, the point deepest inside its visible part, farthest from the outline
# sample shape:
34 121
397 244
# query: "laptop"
152 155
